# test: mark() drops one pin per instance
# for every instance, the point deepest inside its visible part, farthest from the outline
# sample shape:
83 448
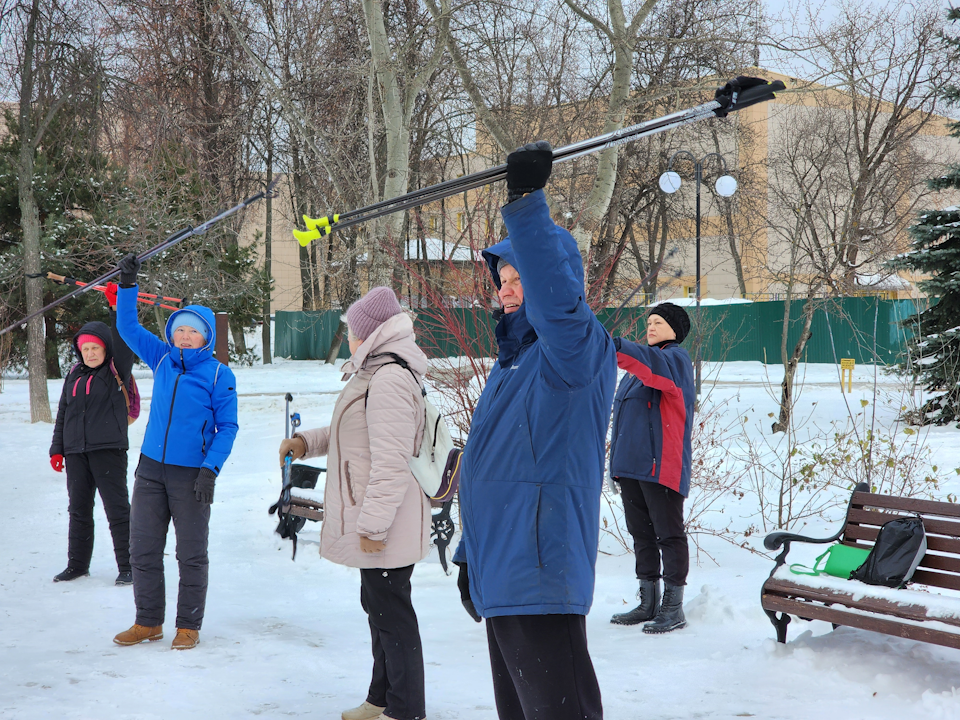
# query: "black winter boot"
70 574
670 616
649 595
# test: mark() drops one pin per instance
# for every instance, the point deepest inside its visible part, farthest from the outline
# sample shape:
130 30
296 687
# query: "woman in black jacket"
91 436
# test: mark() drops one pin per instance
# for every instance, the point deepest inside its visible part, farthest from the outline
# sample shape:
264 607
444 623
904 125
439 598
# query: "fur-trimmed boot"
670 616
649 595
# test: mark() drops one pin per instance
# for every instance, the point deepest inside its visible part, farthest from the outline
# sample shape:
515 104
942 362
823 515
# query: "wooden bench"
441 529
901 612
306 508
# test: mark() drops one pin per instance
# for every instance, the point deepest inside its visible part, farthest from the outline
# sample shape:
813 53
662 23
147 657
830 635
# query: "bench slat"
912 505
931 525
778 586
937 579
934 542
310 509
864 622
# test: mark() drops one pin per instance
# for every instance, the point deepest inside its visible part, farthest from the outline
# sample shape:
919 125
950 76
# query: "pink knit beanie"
370 311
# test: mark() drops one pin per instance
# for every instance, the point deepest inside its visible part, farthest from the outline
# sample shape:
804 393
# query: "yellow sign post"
846 366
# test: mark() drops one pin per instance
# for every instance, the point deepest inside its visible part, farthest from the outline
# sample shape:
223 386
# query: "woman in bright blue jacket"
532 468
192 426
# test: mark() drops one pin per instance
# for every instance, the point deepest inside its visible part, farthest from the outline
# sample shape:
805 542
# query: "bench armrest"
780 538
775 540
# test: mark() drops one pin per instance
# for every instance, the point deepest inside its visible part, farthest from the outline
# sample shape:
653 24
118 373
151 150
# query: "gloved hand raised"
204 485
528 169
111 294
129 267
463 582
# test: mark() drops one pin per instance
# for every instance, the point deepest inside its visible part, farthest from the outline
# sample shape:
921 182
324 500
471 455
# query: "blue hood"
205 313
504 249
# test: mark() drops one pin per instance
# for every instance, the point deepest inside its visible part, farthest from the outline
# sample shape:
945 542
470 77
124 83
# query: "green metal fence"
749 331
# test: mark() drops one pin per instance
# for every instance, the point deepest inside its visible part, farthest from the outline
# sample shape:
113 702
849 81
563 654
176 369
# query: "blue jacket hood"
205 313
504 249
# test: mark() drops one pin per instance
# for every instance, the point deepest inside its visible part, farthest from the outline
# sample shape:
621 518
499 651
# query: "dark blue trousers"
542 669
162 493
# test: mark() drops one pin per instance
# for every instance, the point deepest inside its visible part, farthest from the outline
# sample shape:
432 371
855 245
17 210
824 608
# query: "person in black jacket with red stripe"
90 438
650 460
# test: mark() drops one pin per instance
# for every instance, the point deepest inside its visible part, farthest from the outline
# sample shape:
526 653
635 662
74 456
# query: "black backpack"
899 548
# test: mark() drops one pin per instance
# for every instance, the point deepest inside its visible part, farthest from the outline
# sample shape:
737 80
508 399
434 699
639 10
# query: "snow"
289 639
883 282
704 302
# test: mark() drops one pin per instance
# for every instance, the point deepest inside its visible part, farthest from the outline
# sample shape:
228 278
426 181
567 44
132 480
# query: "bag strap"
798 569
123 385
397 360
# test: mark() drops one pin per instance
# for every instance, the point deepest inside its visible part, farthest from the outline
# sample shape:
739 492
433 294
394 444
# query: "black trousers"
87 473
542 669
654 515
162 492
397 683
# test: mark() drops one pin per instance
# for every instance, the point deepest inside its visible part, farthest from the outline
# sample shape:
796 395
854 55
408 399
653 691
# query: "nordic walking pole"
145 298
187 232
735 95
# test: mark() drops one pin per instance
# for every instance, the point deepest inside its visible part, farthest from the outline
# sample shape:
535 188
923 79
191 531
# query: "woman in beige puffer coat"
376 516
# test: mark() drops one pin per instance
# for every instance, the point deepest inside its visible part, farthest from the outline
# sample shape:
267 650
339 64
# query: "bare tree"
53 59
850 169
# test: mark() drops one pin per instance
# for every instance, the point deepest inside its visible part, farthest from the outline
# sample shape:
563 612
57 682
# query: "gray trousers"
162 492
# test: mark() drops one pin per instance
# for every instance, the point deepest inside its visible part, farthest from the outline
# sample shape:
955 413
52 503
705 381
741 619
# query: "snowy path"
289 639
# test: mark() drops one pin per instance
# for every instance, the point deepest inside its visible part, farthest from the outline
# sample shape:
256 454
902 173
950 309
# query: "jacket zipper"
653 443
166 434
343 471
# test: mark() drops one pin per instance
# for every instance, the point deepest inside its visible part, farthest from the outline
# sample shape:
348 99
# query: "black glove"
730 93
204 485
528 169
463 582
129 267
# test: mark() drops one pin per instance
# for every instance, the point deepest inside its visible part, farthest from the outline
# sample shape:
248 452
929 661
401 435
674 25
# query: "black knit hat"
675 316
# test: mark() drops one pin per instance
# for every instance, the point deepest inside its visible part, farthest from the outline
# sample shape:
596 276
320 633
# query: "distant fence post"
222 349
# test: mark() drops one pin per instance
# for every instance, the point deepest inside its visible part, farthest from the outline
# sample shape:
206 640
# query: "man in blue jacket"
532 468
651 459
190 433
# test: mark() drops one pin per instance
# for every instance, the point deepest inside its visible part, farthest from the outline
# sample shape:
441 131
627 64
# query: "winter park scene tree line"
698 357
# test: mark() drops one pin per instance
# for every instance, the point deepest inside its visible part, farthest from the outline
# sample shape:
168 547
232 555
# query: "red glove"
111 293
56 462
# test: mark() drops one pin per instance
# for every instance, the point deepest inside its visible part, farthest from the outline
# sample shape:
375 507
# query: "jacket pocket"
203 439
346 476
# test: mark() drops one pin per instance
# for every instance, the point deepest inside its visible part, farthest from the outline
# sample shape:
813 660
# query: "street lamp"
725 186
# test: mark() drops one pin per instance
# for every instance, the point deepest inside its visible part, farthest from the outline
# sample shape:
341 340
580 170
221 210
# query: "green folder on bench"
841 560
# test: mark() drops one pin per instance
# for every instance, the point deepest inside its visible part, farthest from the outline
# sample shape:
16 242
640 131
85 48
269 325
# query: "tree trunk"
397 103
623 39
335 344
52 351
790 364
268 250
728 217
30 225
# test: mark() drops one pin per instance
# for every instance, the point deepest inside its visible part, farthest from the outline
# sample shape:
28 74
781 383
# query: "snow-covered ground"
289 639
